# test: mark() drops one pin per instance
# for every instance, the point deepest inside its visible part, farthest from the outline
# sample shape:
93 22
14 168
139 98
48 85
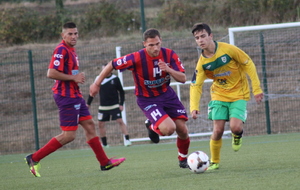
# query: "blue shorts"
71 112
157 108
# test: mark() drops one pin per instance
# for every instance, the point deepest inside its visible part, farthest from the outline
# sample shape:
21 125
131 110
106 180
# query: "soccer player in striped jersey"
228 66
152 69
64 69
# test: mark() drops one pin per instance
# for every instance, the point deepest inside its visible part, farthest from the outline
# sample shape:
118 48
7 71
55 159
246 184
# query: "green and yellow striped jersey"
228 68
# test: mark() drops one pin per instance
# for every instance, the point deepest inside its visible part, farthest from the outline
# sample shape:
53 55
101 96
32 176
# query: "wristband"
90 99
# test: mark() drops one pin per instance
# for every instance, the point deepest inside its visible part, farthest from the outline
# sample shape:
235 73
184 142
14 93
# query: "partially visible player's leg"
86 121
102 131
236 126
238 115
175 109
218 112
183 142
166 126
154 137
94 142
215 143
215 149
67 112
123 127
34 166
117 115
153 111
55 143
103 116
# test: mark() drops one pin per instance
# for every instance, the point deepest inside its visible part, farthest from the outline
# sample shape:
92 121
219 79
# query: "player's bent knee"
236 129
169 131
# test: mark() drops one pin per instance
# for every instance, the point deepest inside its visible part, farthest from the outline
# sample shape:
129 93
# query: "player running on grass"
64 68
228 66
152 69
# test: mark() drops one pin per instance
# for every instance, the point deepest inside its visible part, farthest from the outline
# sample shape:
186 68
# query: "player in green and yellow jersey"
228 67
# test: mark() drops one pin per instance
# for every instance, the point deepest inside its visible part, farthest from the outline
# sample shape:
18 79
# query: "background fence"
24 85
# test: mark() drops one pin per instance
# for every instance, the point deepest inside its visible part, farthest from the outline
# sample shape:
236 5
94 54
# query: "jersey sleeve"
124 62
58 59
176 63
249 68
196 87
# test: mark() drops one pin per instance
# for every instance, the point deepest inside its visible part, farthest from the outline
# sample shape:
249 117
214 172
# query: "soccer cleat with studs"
213 166
236 142
112 163
183 163
33 166
154 137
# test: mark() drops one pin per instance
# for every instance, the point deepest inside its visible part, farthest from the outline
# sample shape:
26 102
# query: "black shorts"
107 115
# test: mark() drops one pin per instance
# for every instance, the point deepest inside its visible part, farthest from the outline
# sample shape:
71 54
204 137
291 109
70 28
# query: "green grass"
264 162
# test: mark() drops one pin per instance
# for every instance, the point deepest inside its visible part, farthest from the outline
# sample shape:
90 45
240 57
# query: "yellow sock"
215 150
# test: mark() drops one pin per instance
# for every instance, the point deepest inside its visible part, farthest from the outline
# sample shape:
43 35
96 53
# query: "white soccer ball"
198 162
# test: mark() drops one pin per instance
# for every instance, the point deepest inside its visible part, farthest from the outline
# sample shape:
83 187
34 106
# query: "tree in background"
59 6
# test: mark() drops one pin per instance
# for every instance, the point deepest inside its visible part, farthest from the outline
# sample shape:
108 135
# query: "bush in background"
252 12
178 14
24 25
107 19
114 17
27 24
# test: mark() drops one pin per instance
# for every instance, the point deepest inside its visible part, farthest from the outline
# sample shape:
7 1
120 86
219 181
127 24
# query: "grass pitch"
263 162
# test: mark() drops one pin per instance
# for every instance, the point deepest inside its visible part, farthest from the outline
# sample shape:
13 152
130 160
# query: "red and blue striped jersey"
149 80
65 60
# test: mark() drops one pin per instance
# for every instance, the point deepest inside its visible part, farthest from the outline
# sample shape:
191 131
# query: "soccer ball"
198 162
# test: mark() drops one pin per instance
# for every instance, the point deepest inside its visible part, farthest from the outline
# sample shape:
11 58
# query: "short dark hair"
200 27
69 25
151 33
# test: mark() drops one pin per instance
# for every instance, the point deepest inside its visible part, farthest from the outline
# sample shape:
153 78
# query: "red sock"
183 148
98 150
47 149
